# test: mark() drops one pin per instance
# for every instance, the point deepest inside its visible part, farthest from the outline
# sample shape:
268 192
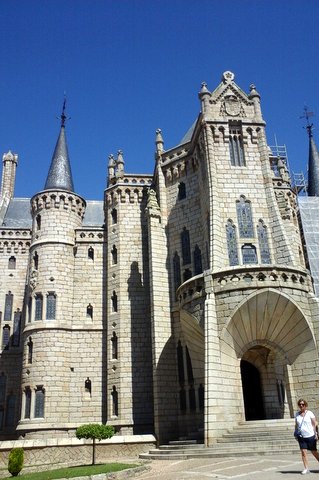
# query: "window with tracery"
51 306
232 243
5 337
236 148
38 307
39 402
263 242
244 218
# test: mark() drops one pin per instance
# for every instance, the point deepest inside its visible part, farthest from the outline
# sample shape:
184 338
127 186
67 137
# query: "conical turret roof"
60 175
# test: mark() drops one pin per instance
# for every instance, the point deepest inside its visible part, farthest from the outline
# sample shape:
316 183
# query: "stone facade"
179 305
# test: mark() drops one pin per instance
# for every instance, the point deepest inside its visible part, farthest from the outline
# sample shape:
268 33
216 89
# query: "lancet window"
186 248
51 306
232 243
263 242
198 268
244 217
39 402
177 271
236 148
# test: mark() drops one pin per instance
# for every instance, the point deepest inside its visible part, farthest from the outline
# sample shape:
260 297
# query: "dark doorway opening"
252 391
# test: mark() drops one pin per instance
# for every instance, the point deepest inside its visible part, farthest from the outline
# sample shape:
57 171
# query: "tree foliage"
94 431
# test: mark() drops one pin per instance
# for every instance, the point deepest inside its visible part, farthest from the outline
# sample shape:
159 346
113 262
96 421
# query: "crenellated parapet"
56 199
16 247
128 192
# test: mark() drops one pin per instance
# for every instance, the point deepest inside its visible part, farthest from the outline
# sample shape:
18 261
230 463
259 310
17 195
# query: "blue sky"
131 66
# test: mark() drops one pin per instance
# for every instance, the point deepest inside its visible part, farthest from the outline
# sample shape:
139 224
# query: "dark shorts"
309 443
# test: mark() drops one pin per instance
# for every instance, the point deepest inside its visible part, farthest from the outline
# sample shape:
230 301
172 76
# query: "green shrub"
15 462
94 431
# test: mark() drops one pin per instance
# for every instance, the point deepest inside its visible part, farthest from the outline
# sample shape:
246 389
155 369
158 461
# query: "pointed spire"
313 160
60 175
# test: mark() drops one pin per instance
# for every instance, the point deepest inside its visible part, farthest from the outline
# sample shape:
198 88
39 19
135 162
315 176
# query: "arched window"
263 242
114 216
36 261
5 337
232 243
27 404
38 222
115 402
89 311
51 306
16 328
244 217
114 346
38 307
8 307
177 271
39 402
91 253
114 302
249 254
114 255
88 385
190 375
30 351
12 263
181 191
197 261
236 149
186 247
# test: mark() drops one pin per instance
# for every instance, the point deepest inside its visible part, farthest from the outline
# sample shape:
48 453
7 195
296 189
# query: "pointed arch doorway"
252 391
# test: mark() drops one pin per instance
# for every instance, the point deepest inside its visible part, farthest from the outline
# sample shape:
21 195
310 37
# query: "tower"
48 339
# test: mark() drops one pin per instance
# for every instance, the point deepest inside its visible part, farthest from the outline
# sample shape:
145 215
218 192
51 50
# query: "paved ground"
284 467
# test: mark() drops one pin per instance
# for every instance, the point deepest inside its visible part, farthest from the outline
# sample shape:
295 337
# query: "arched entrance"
252 391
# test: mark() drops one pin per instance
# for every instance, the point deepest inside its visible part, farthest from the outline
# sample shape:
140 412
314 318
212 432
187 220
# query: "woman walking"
306 432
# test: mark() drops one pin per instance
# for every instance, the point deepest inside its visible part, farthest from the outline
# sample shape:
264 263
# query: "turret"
204 96
10 161
255 97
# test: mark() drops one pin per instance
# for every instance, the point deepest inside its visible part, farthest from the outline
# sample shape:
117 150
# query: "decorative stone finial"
253 91
204 90
111 161
11 157
228 77
120 161
159 141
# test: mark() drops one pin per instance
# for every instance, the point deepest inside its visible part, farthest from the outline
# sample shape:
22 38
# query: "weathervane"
307 115
63 117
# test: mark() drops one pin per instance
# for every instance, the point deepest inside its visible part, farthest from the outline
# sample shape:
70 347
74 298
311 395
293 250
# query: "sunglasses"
301 404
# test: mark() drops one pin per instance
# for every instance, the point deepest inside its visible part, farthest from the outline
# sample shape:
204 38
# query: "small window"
114 346
186 248
89 311
114 302
36 261
114 216
91 253
51 306
38 222
115 402
114 255
181 191
8 307
12 263
88 385
30 351
27 405
16 328
198 268
39 402
38 307
249 254
29 309
5 337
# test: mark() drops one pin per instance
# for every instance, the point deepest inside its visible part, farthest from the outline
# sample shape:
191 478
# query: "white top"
304 424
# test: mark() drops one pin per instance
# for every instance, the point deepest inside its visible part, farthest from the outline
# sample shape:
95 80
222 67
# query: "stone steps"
250 438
